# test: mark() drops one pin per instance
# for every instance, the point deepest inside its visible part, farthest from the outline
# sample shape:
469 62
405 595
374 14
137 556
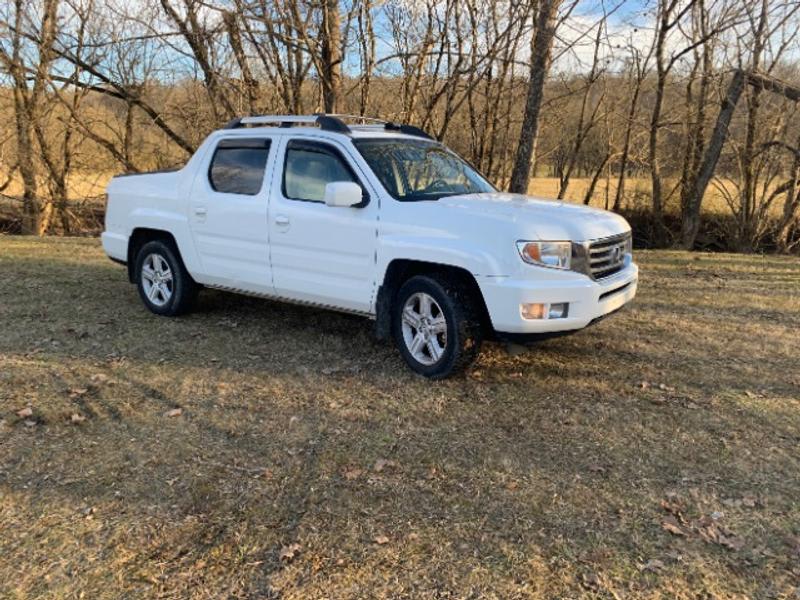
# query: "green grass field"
260 450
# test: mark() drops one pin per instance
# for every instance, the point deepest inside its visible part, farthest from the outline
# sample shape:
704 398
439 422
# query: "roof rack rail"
326 122
388 125
408 130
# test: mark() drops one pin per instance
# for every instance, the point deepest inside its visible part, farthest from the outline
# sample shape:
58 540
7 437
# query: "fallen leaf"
671 524
289 552
674 507
29 423
77 418
25 412
99 378
175 412
352 473
381 540
77 392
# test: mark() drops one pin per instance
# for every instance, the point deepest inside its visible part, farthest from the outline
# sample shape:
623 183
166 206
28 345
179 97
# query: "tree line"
682 114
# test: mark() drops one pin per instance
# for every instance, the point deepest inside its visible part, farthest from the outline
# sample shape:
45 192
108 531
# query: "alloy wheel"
157 279
424 328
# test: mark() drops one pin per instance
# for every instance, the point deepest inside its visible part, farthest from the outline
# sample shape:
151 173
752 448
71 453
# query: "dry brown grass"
80 184
637 194
547 475
93 184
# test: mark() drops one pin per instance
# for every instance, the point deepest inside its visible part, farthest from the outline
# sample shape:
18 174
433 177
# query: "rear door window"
238 166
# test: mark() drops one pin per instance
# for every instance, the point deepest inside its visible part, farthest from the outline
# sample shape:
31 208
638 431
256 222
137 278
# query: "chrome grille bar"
602 258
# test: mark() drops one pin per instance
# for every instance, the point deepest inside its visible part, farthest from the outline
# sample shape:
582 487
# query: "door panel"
228 212
318 253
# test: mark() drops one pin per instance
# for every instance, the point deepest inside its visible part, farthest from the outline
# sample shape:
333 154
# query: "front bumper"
589 300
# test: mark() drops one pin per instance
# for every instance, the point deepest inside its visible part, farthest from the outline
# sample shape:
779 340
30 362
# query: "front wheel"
166 288
436 325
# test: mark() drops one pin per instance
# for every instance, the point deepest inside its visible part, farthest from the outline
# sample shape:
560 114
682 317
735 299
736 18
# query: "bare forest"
682 115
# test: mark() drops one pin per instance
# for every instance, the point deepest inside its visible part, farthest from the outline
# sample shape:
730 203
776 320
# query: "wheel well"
401 270
139 237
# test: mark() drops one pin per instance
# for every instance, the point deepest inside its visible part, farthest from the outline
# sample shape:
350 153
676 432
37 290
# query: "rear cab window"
238 166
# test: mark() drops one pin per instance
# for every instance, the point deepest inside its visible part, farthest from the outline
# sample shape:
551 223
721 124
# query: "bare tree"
100 86
638 68
28 66
541 47
588 116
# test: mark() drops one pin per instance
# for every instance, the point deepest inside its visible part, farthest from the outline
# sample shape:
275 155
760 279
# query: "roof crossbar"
326 122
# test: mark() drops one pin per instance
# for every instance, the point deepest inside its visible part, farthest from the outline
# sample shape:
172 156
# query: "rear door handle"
200 214
282 220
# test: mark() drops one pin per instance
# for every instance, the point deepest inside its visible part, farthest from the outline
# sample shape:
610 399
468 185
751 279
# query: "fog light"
544 311
533 311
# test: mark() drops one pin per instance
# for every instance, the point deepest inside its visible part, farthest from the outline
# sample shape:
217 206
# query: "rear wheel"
166 288
436 325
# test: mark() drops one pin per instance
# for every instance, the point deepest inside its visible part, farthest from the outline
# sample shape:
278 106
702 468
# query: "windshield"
420 170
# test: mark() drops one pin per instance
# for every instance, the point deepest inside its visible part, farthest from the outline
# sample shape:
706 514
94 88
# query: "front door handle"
200 211
282 220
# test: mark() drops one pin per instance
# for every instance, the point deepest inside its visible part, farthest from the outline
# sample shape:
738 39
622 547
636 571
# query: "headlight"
546 254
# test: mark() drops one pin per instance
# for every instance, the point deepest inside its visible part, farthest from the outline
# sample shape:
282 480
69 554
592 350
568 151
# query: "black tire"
181 287
464 333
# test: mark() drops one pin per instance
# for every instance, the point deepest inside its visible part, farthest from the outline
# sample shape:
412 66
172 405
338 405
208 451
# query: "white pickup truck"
371 218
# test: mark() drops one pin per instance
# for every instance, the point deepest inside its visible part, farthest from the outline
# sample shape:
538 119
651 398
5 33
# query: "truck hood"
538 218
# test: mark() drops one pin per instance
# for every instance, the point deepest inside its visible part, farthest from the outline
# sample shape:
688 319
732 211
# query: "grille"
607 256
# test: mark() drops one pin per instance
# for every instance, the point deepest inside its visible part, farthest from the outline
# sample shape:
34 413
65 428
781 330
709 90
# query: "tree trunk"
540 63
789 220
626 147
691 218
655 168
331 77
587 198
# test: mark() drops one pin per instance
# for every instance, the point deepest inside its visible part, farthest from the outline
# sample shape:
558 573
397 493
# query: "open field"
652 456
83 185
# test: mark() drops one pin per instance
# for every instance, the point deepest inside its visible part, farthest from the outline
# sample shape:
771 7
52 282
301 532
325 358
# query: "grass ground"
255 449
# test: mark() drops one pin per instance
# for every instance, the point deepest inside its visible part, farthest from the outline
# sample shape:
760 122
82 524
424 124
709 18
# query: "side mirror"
343 193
